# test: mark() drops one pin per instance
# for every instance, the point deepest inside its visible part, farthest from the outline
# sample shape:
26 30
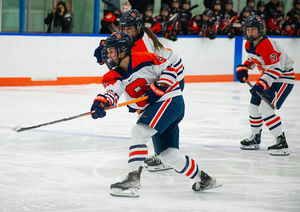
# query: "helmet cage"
122 43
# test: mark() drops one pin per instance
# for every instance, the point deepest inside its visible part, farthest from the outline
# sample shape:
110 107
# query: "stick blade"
17 128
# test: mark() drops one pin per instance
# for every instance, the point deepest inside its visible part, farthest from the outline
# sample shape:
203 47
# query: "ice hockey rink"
69 166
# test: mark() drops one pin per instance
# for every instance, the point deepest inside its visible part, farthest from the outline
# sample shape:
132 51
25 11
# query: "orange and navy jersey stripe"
271 60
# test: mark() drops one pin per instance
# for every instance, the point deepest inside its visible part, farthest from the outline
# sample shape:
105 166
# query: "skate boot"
148 159
280 148
155 164
207 182
251 143
129 187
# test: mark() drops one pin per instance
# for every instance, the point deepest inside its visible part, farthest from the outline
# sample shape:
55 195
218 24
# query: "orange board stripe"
26 81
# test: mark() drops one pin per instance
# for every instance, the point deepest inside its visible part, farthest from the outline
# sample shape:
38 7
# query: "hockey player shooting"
137 74
145 41
276 83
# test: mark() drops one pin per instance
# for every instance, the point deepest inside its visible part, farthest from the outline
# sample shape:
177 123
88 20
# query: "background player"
135 75
275 84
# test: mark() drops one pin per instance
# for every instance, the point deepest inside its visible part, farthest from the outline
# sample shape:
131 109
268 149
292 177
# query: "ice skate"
148 159
280 148
154 164
207 182
129 187
251 143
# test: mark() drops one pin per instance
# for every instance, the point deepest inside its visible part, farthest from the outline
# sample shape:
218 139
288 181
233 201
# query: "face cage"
108 62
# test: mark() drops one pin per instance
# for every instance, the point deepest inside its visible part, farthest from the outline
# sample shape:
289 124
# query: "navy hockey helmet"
229 2
280 4
217 2
260 4
164 7
150 8
186 2
253 21
122 42
208 13
296 2
247 9
131 18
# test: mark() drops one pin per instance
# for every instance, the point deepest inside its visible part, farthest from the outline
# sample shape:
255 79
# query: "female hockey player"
137 74
276 83
145 41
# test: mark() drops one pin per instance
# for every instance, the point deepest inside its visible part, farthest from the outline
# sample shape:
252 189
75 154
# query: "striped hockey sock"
190 169
137 155
273 122
255 124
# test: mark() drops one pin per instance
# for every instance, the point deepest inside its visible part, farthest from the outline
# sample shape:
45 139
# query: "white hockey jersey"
145 44
271 60
144 68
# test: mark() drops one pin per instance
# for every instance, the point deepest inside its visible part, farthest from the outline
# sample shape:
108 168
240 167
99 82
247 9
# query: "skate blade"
131 192
159 168
279 152
250 147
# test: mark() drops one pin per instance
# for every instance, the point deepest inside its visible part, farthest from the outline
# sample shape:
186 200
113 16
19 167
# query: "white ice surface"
69 166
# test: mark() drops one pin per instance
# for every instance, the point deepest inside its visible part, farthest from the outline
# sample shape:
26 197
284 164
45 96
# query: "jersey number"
136 89
273 58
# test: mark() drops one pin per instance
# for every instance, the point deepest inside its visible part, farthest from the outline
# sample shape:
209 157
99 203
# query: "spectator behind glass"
296 6
274 26
165 27
217 15
110 6
251 5
186 16
292 25
59 20
208 4
270 9
149 21
242 20
203 25
229 16
111 22
261 12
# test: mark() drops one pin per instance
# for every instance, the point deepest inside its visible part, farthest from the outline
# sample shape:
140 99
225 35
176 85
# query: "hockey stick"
20 129
261 96
188 10
228 23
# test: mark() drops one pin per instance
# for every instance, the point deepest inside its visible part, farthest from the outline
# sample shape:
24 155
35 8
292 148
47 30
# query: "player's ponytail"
157 45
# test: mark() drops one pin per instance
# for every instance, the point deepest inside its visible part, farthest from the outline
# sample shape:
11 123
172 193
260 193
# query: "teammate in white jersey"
145 74
276 83
145 40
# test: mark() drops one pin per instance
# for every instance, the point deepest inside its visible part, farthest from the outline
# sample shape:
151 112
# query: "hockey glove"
98 54
242 72
231 33
155 92
259 87
98 106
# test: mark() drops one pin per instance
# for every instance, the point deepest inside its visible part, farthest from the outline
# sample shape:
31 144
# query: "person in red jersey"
276 83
